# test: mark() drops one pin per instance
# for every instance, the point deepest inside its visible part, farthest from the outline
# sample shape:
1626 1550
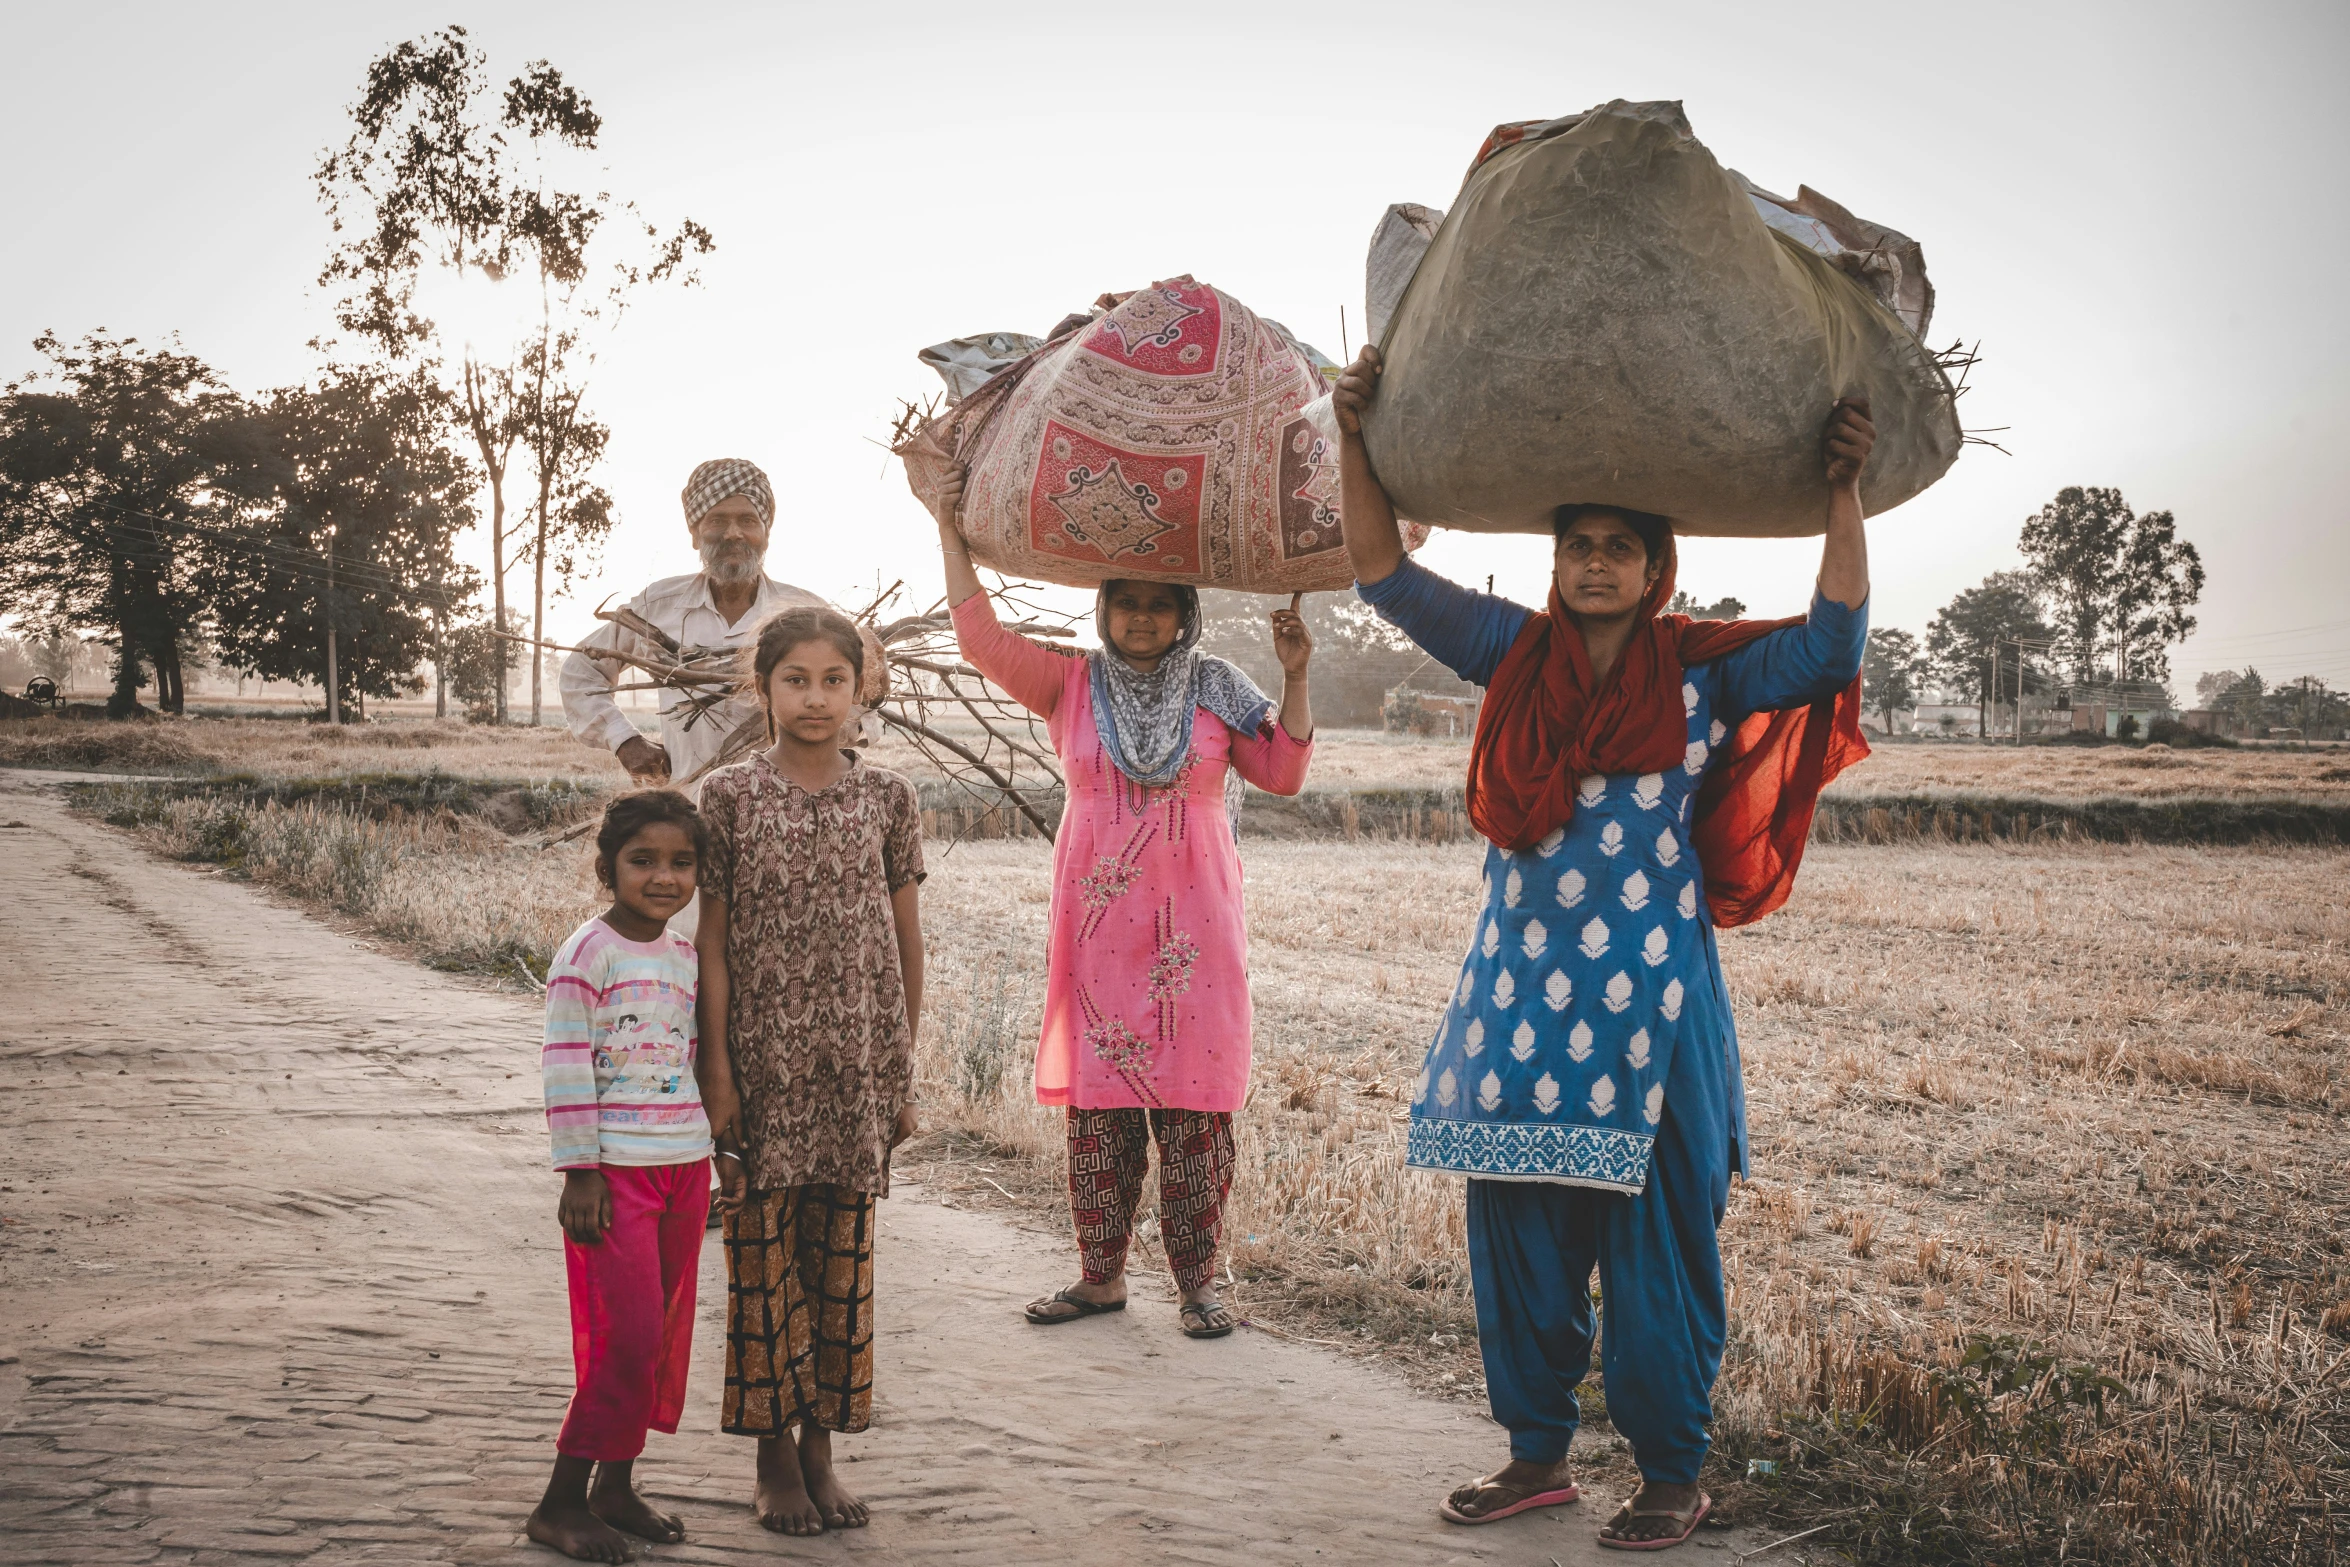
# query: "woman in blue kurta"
1585 1073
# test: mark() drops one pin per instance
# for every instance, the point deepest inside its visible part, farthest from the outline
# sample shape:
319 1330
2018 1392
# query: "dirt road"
279 1280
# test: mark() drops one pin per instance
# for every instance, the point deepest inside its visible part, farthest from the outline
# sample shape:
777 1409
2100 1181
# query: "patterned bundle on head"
721 477
1166 435
1145 719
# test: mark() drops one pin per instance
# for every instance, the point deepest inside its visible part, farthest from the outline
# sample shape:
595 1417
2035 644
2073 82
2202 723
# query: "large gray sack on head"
1606 315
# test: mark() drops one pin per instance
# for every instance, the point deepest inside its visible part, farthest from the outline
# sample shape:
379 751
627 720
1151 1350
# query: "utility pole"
2019 693
1990 700
334 680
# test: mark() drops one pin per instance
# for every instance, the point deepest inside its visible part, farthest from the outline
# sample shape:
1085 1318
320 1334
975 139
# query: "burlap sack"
1607 315
1163 438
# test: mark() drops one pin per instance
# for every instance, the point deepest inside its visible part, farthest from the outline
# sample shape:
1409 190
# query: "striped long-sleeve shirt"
619 1053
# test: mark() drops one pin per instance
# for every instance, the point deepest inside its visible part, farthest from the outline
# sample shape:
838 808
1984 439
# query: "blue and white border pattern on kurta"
1598 1156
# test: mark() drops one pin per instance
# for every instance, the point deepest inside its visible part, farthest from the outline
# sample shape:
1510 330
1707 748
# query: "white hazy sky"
2137 209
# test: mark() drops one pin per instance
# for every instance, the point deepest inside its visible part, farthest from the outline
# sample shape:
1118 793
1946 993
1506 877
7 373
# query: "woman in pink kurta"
1147 1018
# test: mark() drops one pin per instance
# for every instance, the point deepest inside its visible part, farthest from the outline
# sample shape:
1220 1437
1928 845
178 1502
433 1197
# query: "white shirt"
682 607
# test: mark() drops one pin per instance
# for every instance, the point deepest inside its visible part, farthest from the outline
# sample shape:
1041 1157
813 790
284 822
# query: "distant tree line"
2306 704
2104 595
144 501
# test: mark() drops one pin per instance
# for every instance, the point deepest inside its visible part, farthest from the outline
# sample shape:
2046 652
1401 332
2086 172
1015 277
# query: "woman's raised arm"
954 551
1796 665
1031 675
1844 555
1374 544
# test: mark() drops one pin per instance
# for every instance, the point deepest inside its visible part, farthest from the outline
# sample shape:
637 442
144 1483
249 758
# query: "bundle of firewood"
915 682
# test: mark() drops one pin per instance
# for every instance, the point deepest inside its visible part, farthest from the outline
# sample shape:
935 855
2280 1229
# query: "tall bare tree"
443 173
591 253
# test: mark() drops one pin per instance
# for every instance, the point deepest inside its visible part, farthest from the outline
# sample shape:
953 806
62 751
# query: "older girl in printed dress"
1146 1021
1641 778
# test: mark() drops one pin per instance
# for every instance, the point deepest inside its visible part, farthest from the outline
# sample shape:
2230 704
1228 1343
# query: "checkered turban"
720 477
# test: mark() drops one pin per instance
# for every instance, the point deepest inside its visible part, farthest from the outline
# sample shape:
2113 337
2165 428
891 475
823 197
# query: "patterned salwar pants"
799 1311
1109 1154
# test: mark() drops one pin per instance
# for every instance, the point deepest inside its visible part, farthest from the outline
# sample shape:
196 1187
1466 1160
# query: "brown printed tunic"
823 1057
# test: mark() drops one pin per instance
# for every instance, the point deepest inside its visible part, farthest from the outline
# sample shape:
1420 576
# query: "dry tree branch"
1010 790
921 649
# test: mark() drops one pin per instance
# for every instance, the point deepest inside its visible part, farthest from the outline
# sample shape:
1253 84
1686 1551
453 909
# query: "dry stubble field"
2043 1250
1344 759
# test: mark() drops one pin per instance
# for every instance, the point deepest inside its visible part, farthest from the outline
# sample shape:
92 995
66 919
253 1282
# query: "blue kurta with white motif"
1593 962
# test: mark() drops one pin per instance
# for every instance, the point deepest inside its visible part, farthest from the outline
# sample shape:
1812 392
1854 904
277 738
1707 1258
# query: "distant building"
1409 710
2107 709
2211 721
1949 719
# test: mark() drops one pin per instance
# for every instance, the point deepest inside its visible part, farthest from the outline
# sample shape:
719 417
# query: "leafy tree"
2309 705
2004 605
441 173
2121 584
476 663
1889 671
1720 609
109 458
354 506
2213 683
2240 694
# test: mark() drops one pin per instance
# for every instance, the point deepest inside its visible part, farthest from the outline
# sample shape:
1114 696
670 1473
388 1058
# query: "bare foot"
577 1533
1656 1498
1507 1487
614 1499
840 1509
1051 1308
781 1500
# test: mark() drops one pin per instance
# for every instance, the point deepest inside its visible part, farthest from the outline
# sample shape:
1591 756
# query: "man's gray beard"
730 566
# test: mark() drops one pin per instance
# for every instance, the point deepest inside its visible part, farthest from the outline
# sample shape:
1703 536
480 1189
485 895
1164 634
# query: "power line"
282 554
2248 638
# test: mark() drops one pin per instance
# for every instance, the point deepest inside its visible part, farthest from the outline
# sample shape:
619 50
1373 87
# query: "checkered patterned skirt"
799 1311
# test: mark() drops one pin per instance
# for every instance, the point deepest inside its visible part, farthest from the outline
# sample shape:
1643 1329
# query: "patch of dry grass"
2064 772
454 890
2087 1102
289 749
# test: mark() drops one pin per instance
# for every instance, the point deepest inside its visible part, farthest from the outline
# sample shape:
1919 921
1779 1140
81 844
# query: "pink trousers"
632 1309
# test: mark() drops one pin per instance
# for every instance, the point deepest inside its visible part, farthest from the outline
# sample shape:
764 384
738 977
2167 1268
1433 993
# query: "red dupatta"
1543 728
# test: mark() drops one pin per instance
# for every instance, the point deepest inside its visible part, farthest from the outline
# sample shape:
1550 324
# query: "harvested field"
2045 1235
2149 772
287 748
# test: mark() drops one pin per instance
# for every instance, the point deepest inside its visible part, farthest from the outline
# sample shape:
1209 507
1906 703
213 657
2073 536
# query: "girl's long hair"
779 633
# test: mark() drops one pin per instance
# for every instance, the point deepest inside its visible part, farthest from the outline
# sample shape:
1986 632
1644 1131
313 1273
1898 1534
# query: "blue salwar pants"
1532 1248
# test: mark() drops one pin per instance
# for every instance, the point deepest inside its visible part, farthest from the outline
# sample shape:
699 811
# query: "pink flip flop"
1663 1542
1558 1498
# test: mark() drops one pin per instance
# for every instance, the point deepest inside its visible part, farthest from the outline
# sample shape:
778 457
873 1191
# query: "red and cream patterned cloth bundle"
1164 437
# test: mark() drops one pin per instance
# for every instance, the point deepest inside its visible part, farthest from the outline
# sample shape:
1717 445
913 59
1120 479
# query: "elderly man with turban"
729 508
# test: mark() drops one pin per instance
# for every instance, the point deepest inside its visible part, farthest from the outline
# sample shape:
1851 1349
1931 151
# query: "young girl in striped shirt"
624 1111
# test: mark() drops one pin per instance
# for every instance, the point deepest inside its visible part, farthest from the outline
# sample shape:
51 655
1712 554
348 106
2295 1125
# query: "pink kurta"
1146 987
